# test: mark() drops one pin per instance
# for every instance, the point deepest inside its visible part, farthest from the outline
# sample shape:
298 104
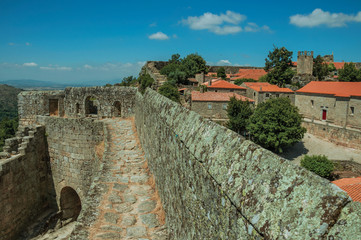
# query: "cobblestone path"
131 208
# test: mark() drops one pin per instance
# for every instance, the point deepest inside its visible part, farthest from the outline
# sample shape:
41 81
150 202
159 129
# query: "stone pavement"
131 208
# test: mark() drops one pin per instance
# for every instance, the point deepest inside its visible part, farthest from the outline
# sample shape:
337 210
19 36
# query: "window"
352 110
209 105
254 94
224 106
312 103
277 95
267 94
216 90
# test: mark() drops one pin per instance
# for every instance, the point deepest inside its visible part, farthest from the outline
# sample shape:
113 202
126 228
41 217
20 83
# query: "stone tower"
304 62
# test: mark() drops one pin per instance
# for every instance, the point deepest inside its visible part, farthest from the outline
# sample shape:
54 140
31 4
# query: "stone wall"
216 185
106 99
75 150
217 112
32 103
26 188
339 135
338 108
304 62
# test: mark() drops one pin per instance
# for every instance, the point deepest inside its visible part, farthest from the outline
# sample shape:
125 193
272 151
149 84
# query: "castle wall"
339 135
32 103
305 62
106 98
216 185
75 150
26 188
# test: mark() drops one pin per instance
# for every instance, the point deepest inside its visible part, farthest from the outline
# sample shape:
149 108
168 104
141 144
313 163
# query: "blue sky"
79 41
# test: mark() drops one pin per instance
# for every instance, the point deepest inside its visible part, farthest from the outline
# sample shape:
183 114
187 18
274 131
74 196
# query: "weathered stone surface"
112 228
146 206
150 220
214 180
128 221
111 217
348 225
110 236
138 231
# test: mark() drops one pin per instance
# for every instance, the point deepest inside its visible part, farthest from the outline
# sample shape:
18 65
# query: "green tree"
178 76
318 164
194 64
242 80
320 68
276 124
170 91
238 112
8 128
145 81
331 67
349 73
221 73
128 81
278 67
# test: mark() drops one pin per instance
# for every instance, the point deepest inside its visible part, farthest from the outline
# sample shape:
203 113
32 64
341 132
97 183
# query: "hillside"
8 101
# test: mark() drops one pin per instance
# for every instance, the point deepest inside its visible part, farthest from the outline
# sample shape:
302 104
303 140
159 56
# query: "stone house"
213 105
334 102
219 85
262 91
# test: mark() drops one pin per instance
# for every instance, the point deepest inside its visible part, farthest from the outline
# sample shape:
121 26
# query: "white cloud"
223 62
218 24
86 66
158 36
28 44
253 27
319 17
57 68
31 64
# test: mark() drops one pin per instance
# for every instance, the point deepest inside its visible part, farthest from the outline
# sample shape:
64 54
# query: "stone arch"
91 105
70 203
117 106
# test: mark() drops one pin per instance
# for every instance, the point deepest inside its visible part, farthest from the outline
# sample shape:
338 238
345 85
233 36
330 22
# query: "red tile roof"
338 89
223 84
249 73
352 186
266 87
217 97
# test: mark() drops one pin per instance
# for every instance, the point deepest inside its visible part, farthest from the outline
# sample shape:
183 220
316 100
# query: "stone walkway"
131 209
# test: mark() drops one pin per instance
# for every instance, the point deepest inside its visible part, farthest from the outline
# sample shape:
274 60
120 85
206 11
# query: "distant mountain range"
30 84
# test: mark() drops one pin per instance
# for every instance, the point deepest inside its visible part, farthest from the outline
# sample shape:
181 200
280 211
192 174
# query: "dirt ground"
312 145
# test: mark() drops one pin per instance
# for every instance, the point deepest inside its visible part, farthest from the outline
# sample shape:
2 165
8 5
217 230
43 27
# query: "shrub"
318 164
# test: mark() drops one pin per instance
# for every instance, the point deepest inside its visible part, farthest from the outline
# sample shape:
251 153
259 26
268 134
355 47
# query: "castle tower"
304 62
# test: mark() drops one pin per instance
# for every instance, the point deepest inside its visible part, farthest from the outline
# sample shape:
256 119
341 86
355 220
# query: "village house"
262 91
334 102
213 105
219 85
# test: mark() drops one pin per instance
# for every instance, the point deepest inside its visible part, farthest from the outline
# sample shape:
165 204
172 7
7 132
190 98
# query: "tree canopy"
279 66
349 73
128 81
320 68
170 91
179 70
221 73
145 81
276 124
238 112
8 129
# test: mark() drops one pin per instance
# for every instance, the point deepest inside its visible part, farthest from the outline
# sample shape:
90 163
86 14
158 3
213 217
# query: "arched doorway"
91 105
117 109
70 203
